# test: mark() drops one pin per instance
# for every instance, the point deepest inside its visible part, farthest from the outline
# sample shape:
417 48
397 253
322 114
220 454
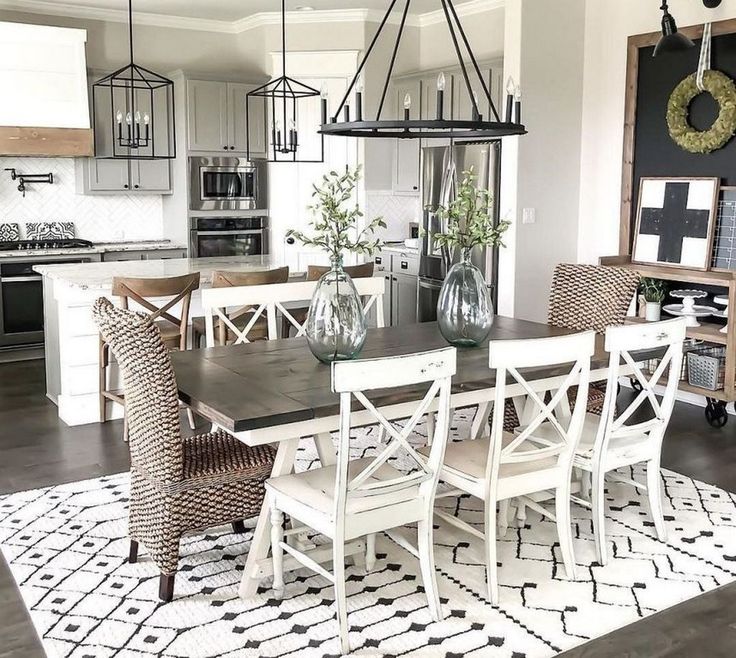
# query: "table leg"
480 422
325 448
261 542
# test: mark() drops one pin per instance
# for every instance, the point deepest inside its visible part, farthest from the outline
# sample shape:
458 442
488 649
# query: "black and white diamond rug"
67 549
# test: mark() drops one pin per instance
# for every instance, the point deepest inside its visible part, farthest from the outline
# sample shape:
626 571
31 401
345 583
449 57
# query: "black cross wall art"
675 221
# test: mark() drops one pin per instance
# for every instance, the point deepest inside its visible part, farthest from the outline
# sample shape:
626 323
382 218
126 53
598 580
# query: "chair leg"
431 422
426 563
277 552
564 531
190 418
598 510
370 552
238 527
585 484
103 381
491 567
503 517
133 552
341 610
654 488
166 587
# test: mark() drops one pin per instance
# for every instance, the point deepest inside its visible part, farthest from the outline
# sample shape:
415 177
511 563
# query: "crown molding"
469 8
54 8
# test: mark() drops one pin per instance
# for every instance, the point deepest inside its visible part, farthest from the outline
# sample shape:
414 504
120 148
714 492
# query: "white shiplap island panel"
71 338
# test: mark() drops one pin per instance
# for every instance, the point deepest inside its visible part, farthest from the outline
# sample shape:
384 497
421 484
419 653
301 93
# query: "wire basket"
706 367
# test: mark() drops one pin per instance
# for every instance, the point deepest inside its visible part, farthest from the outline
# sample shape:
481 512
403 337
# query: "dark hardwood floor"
37 450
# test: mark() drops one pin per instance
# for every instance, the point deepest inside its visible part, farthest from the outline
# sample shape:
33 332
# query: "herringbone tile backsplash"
97 218
397 210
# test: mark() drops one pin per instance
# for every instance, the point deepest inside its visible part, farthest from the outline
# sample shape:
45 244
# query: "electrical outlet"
529 216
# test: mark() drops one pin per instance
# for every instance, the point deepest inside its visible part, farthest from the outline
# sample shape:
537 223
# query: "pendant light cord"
283 38
130 28
705 57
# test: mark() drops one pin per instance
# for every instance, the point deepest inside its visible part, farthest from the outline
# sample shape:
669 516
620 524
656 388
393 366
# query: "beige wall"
541 170
485 31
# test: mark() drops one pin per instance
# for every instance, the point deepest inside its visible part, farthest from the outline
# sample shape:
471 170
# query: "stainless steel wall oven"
228 236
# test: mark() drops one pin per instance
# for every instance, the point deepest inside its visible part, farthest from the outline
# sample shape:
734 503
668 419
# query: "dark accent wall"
655 154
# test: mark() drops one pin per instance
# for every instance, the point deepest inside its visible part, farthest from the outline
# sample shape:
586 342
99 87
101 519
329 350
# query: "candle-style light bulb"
440 95
510 91
137 116
407 102
128 118
323 94
359 87
119 117
146 119
517 93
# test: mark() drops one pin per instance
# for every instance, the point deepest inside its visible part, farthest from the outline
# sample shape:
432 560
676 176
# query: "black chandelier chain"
475 127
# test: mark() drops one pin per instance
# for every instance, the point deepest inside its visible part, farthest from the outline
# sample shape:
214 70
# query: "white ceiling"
214 10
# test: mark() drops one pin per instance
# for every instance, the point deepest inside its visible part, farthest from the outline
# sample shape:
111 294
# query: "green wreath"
723 90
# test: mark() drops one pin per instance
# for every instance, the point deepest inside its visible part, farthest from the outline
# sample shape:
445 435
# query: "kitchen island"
71 338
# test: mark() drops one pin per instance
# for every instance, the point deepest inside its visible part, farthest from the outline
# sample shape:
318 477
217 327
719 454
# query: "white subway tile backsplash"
97 218
397 210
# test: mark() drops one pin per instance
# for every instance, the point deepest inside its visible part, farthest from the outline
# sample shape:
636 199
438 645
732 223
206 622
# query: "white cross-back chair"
503 465
355 498
609 442
269 300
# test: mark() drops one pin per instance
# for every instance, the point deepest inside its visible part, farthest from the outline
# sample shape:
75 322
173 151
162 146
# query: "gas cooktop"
32 245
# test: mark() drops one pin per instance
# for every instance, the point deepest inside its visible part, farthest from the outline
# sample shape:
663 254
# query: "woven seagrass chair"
173 330
177 484
241 316
584 297
314 273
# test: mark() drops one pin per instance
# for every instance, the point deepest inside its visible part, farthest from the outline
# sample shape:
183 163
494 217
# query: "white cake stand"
688 309
722 300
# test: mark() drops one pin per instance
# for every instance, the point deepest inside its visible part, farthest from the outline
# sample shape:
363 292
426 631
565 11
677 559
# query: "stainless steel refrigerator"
442 166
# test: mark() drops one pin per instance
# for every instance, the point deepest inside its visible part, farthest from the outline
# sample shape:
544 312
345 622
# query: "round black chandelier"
282 96
474 127
133 112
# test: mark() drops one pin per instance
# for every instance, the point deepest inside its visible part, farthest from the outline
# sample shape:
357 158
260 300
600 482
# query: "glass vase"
464 307
336 327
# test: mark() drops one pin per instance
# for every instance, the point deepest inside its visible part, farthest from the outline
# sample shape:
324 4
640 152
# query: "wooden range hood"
46 142
45 110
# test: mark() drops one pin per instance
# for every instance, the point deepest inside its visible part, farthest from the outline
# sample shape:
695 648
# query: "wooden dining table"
277 392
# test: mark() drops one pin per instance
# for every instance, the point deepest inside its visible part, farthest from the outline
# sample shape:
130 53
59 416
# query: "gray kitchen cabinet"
406 161
144 254
150 175
403 299
400 297
207 115
101 176
216 118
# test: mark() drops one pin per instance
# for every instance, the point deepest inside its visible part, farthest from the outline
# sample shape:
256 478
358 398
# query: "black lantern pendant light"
133 112
282 96
475 126
671 40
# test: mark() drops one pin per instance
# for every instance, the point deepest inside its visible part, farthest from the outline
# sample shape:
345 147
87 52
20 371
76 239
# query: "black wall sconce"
25 179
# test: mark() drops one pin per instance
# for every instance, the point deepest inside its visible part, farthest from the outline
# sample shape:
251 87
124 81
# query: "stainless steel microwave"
223 183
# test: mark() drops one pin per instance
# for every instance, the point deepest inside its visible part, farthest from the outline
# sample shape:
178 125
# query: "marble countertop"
400 247
97 248
100 275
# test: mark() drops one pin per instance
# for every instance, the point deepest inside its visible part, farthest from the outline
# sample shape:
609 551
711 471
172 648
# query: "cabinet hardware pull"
125 186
